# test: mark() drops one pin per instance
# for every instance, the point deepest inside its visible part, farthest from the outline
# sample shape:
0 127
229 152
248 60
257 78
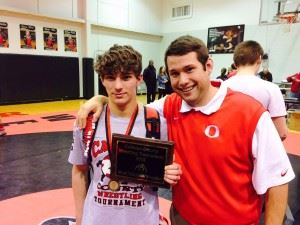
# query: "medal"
114 185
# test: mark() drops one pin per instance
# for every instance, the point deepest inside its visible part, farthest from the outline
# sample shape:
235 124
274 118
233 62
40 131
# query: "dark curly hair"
119 59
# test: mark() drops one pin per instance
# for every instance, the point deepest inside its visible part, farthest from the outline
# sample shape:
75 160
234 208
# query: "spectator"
149 76
231 71
265 74
223 75
295 87
162 79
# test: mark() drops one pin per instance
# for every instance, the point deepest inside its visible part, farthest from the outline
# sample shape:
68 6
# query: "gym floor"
35 177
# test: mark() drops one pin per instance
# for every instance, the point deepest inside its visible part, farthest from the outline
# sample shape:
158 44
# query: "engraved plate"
140 160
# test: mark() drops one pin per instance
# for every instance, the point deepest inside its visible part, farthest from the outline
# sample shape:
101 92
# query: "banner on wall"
4 35
224 39
27 36
50 38
70 41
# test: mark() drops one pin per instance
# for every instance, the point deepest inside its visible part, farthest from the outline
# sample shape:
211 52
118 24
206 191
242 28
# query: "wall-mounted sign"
224 39
50 38
70 41
27 36
4 43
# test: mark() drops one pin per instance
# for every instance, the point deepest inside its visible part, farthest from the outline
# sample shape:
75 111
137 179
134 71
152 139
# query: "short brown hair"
119 59
247 53
186 44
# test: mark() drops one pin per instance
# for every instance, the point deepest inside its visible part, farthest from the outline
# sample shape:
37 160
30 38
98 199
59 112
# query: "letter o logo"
212 131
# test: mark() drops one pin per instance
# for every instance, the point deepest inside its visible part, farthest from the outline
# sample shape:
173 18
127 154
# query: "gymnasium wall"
53 73
147 25
14 22
147 45
144 16
125 22
55 8
283 47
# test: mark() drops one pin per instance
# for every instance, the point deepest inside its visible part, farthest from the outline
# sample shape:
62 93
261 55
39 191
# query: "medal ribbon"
108 127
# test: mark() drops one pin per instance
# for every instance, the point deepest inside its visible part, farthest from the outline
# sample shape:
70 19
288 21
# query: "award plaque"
140 160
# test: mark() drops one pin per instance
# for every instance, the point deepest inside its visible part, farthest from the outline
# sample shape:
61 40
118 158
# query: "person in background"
248 58
223 142
295 87
149 76
231 71
162 79
99 202
223 75
2 130
169 89
265 74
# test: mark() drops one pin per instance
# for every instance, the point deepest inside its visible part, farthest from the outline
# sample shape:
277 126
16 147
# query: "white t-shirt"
133 203
267 149
267 93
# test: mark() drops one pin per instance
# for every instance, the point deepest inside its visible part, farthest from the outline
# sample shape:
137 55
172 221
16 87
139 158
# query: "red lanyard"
108 128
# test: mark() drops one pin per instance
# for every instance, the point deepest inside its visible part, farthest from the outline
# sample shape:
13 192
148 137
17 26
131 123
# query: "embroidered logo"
212 131
284 172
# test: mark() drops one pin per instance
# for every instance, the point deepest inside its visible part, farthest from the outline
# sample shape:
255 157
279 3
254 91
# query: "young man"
248 58
223 142
97 203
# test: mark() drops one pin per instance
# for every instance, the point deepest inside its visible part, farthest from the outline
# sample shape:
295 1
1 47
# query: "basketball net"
287 20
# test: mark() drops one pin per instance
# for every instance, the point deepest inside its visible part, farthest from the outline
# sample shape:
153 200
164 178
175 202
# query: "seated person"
265 74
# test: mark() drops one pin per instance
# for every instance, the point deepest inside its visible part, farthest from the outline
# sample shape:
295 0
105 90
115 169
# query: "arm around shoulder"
95 104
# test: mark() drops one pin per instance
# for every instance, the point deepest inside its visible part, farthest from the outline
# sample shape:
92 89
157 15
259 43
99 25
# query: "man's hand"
95 105
172 173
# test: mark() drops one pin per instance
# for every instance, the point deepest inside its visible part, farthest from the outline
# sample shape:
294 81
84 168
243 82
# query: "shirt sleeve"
76 155
158 105
271 163
277 106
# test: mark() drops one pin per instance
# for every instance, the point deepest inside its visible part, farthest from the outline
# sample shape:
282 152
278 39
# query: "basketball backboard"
274 11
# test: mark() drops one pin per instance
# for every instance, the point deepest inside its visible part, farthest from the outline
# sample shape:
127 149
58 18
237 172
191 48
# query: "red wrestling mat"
49 122
16 123
33 209
292 143
54 207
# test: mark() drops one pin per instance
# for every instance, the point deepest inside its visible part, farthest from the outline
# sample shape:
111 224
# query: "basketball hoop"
287 20
289 17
